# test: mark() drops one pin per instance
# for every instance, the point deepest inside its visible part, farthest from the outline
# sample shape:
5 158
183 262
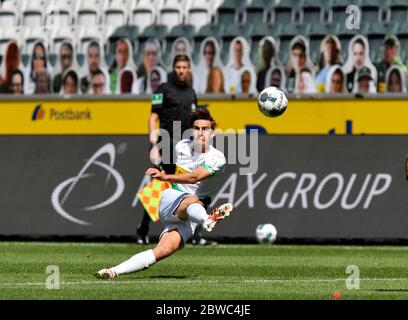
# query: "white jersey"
188 159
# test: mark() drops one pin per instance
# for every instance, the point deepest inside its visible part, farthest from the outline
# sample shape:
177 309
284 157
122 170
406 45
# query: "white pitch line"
111 282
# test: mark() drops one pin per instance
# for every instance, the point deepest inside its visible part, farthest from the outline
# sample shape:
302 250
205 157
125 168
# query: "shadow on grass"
168 277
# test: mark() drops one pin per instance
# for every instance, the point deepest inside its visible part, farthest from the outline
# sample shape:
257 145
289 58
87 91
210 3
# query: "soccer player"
198 166
172 102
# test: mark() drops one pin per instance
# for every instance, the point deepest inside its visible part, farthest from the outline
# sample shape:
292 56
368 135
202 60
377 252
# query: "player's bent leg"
169 243
191 207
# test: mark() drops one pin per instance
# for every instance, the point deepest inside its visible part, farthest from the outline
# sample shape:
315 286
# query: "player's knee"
192 199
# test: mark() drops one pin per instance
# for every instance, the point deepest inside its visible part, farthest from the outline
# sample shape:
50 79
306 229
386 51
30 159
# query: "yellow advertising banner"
74 117
319 116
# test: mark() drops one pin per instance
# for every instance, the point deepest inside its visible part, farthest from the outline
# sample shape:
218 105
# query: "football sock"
140 261
197 213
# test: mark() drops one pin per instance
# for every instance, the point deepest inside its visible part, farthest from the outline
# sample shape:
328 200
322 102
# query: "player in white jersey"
198 166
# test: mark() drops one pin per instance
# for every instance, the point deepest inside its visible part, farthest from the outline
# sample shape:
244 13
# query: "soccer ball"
266 233
272 102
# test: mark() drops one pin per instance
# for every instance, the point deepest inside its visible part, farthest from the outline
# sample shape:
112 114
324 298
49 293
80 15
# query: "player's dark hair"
181 57
202 114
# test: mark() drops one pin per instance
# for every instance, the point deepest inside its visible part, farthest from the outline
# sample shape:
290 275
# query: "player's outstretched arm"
194 176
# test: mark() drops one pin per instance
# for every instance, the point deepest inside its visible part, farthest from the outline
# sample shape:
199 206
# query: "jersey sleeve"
158 100
180 145
214 164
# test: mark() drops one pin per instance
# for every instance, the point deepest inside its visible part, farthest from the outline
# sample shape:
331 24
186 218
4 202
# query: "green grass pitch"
251 272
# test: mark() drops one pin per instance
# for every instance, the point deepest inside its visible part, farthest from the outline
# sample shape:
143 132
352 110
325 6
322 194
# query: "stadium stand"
32 13
88 14
397 10
199 13
230 12
80 21
9 14
58 15
337 9
143 13
179 31
116 13
257 11
312 11
285 11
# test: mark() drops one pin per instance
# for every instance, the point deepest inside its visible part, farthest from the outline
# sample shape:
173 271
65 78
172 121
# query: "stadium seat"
199 13
100 4
312 11
71 4
337 11
12 3
143 13
289 31
9 14
375 37
229 12
16 33
97 33
33 13
209 30
285 11
344 34
34 34
257 11
402 35
259 31
392 27
171 13
182 30
127 31
60 35
58 16
232 31
397 10
157 31
88 14
372 11
116 13
316 34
